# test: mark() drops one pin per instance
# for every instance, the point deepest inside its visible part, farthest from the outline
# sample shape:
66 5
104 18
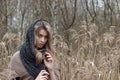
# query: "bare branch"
88 8
74 13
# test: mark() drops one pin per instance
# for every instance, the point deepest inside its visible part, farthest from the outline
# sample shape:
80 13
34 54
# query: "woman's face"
41 38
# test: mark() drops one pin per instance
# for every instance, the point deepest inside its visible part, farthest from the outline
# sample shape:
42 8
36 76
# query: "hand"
49 61
43 75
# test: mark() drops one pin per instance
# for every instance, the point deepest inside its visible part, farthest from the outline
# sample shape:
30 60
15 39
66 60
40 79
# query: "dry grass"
95 57
9 45
89 56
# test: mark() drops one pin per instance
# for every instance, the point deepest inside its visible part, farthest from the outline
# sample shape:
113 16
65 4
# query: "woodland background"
86 35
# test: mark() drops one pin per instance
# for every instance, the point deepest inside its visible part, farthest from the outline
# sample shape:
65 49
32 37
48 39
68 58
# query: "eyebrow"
43 35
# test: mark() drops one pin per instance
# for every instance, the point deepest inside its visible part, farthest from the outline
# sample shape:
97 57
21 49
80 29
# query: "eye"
40 36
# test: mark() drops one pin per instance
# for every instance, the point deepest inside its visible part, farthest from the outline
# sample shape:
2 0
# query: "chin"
40 46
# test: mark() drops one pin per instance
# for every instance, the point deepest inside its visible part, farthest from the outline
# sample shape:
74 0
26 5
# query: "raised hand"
49 61
43 75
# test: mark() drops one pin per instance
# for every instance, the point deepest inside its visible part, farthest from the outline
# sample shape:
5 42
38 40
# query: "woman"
35 59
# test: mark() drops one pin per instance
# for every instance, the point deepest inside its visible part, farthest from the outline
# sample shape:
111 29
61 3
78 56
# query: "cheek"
35 41
46 41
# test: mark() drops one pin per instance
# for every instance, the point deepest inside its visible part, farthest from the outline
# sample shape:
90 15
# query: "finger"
44 77
50 59
47 53
48 56
43 72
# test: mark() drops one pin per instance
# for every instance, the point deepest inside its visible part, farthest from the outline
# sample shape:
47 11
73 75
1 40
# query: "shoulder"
16 55
16 64
15 58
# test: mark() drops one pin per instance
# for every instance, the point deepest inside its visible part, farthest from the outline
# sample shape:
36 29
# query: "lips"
41 44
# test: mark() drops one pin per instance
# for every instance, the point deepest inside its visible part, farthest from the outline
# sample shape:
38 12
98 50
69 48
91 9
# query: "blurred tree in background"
16 15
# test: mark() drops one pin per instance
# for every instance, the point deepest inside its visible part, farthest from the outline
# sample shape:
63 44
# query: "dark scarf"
27 54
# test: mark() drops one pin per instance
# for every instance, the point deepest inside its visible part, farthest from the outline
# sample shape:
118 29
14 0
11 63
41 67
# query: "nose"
42 39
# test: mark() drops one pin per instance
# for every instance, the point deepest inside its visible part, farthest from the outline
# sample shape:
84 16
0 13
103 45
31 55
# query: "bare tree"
7 8
68 15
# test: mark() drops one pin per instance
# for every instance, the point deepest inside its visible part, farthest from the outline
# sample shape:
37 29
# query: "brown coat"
18 70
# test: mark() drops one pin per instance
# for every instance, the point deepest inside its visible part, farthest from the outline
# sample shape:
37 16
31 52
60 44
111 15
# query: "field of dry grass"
88 56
